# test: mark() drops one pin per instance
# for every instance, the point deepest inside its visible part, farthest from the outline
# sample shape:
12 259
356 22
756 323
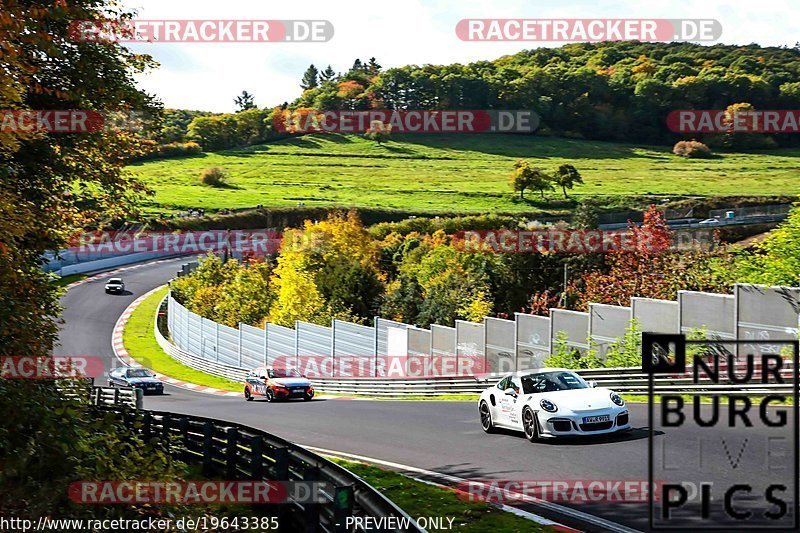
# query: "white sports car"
552 402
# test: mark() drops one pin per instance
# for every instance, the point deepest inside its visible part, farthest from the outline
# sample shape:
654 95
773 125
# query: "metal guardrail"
107 396
237 452
117 396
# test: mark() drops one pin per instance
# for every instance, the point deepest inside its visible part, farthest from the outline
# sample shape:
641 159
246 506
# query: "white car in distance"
115 285
552 402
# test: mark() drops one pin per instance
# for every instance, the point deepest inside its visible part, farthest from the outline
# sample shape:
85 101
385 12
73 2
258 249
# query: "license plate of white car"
595 419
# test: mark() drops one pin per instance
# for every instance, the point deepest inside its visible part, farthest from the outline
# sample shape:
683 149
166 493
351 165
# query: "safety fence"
627 380
756 313
225 450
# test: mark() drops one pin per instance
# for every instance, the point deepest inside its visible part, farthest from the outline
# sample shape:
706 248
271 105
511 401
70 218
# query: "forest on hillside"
619 91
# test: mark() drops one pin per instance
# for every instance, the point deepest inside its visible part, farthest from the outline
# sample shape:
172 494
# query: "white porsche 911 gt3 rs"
552 402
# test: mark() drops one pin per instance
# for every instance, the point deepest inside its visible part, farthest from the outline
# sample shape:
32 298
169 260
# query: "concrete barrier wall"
533 340
714 313
500 345
656 316
575 324
766 313
607 324
755 312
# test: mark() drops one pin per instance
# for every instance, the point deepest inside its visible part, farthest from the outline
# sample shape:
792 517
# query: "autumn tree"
52 185
436 283
336 262
378 132
526 177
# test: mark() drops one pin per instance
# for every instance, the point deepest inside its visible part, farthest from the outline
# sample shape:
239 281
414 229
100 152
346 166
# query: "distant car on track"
709 221
137 378
115 285
551 402
277 384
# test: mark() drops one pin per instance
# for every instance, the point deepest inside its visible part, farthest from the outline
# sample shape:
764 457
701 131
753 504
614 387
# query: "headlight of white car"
617 399
548 406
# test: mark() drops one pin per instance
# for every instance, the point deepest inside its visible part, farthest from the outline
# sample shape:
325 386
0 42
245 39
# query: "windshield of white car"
139 373
551 382
115 281
279 373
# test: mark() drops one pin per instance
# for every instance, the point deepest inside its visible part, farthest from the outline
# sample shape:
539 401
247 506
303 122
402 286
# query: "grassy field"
463 173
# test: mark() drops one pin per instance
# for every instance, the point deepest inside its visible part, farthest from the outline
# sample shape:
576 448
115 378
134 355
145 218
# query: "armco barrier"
230 451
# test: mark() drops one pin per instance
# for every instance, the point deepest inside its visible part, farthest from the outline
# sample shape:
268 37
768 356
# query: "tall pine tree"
327 75
310 78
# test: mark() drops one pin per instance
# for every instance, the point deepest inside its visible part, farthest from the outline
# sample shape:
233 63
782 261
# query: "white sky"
208 76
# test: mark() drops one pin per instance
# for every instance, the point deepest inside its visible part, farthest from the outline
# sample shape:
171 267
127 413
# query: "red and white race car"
277 384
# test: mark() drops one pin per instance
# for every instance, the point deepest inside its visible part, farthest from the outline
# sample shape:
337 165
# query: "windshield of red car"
280 373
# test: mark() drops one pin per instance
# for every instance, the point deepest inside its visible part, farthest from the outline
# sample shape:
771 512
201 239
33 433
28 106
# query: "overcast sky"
208 76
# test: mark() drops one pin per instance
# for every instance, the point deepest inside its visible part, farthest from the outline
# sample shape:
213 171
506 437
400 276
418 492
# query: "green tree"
373 68
245 101
566 176
776 259
310 78
327 75
247 296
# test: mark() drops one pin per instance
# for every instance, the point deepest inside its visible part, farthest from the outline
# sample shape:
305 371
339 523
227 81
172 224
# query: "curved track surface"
443 437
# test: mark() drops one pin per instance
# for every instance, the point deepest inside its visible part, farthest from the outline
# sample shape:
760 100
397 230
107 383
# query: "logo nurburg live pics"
723 442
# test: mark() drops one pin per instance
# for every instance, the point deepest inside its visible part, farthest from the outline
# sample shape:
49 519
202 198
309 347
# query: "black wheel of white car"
530 425
486 418
247 395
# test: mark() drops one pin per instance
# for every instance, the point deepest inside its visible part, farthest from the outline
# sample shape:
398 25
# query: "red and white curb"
124 357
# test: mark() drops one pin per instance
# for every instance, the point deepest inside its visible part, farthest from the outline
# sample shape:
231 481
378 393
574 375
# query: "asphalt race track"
443 437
